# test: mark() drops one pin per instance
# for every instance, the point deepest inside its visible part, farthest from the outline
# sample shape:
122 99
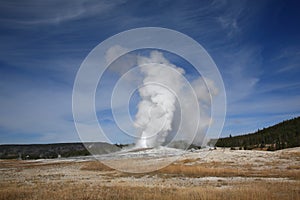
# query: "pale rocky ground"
70 170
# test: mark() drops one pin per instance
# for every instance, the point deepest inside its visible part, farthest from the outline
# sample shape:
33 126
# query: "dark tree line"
37 151
283 135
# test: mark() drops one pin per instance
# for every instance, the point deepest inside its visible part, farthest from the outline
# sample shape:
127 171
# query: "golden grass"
290 155
253 191
47 186
177 169
225 171
189 168
197 171
96 166
293 167
188 160
23 164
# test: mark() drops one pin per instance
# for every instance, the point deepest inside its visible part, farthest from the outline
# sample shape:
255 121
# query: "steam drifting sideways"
171 108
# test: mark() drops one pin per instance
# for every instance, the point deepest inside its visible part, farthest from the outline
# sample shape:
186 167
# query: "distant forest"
38 151
280 136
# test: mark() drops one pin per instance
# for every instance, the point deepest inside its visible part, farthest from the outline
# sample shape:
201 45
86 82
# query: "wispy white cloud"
290 60
242 70
52 12
44 42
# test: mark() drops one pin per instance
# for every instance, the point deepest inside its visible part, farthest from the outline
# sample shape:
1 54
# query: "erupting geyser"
169 109
157 106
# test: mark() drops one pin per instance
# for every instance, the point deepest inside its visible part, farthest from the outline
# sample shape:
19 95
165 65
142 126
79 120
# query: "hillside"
283 135
36 151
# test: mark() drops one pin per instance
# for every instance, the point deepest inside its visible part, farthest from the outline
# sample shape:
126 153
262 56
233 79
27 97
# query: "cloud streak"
52 12
44 43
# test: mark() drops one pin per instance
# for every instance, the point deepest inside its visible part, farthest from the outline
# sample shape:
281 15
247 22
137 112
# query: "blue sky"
255 44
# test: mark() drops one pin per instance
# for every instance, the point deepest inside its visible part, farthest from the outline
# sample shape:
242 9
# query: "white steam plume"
158 116
167 110
156 109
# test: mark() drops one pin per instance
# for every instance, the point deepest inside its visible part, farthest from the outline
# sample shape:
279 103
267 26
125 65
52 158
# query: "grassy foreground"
253 191
240 175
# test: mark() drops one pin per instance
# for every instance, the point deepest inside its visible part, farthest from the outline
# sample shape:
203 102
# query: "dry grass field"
222 174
